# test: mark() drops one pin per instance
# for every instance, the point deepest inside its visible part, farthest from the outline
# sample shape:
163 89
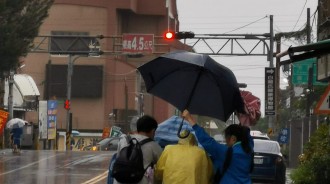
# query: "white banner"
43 129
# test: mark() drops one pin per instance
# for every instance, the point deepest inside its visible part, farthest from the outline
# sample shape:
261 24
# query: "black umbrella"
194 82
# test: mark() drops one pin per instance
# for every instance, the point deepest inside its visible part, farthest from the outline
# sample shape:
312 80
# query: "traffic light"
67 104
184 35
169 35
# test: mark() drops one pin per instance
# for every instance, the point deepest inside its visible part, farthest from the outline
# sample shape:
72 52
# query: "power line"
245 25
300 15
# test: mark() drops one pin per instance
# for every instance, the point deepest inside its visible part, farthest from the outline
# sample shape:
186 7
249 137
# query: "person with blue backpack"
232 162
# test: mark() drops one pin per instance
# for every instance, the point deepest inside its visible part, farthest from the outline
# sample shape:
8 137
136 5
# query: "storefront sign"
3 120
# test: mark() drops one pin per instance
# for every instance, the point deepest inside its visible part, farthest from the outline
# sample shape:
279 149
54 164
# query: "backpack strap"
145 141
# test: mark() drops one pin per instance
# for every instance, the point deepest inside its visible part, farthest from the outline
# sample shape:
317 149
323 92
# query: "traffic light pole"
71 60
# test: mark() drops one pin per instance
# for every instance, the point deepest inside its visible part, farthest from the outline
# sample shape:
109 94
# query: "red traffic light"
67 104
169 35
178 35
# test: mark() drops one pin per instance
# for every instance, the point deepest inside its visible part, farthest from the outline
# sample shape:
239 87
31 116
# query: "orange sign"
106 132
3 120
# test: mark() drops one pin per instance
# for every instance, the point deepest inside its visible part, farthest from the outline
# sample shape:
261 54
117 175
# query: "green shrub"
315 165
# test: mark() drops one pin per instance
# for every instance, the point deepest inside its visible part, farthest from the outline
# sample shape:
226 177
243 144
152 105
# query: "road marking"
28 165
97 178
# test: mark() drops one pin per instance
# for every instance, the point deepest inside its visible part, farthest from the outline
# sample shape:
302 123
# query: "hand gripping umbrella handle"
179 131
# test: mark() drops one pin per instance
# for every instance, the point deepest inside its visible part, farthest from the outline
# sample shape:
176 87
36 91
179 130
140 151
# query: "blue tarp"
166 132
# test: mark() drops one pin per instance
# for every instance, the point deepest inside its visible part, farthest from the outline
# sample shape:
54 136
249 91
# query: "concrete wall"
106 17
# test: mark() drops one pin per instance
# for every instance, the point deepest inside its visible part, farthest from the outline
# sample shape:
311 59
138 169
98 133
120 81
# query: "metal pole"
290 141
271 47
68 96
302 135
277 83
10 94
271 64
310 77
126 104
308 26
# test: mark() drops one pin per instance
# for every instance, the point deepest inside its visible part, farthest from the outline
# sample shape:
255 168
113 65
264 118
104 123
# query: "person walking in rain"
184 163
16 133
234 162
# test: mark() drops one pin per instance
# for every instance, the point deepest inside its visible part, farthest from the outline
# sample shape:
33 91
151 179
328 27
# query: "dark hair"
241 134
146 124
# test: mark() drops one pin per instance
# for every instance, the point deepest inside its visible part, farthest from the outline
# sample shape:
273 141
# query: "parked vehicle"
220 138
255 134
269 164
107 144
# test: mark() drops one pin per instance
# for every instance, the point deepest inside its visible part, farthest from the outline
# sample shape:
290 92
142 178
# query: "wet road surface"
54 167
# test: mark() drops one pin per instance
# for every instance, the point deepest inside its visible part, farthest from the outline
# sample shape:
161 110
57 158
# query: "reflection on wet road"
51 167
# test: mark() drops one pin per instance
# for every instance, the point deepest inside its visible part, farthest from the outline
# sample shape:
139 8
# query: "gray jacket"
151 152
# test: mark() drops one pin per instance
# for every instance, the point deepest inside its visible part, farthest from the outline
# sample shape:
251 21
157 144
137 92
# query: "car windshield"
266 146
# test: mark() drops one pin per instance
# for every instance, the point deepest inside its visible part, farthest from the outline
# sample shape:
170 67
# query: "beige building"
108 84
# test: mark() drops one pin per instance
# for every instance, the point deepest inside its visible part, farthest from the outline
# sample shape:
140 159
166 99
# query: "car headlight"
94 148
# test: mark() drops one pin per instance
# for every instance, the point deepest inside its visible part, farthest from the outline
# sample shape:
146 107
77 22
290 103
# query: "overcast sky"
224 16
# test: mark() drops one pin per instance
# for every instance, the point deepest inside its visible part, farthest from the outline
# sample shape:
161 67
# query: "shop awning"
25 93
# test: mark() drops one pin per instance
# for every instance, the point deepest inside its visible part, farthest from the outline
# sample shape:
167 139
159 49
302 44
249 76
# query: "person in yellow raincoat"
184 163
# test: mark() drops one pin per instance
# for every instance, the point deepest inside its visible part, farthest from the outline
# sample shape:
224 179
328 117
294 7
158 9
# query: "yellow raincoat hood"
184 163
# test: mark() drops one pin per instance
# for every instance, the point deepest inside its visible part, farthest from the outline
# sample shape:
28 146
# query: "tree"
19 25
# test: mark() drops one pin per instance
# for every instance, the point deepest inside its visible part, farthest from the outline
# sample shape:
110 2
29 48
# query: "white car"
256 134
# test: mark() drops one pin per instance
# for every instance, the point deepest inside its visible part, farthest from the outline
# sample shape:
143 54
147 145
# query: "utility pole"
308 26
68 97
310 78
277 82
71 60
10 94
271 64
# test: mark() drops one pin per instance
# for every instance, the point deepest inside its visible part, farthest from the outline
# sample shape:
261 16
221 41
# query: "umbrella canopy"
16 123
252 109
195 82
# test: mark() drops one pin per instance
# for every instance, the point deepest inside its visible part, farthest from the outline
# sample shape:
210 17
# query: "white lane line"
97 178
28 165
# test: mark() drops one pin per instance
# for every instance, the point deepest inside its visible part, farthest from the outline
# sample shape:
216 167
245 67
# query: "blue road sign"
283 137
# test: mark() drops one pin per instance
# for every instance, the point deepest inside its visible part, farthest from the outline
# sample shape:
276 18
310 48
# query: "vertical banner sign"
51 120
43 128
3 120
269 91
138 43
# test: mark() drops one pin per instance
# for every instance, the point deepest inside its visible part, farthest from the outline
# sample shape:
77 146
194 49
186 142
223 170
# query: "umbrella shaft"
193 89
